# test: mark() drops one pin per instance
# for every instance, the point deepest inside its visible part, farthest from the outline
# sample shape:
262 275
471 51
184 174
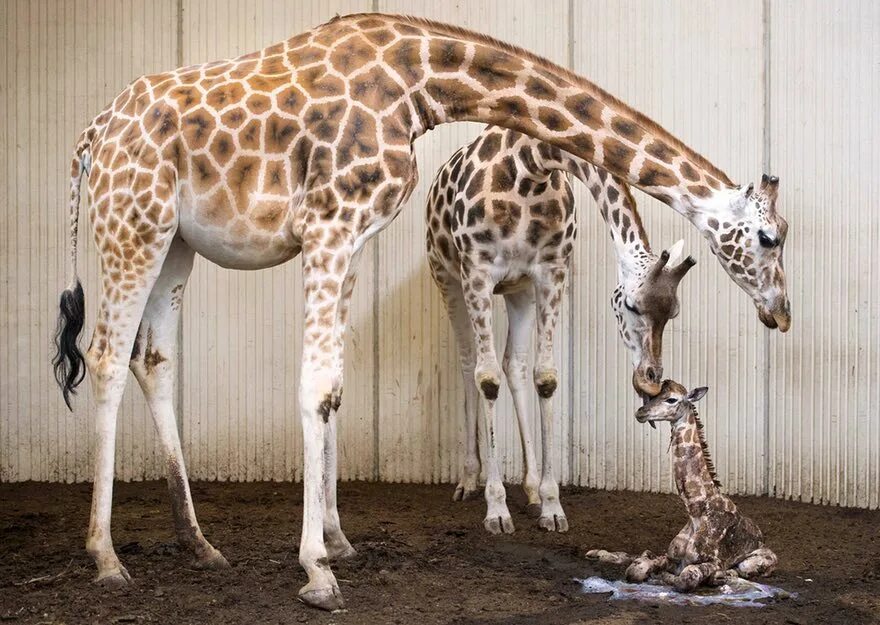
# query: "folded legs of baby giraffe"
718 541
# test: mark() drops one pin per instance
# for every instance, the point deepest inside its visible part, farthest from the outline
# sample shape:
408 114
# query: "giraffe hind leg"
759 563
154 362
128 276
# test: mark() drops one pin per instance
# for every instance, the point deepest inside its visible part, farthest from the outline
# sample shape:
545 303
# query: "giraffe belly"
239 243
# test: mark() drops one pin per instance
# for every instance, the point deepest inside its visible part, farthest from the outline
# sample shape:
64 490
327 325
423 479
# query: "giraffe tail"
68 362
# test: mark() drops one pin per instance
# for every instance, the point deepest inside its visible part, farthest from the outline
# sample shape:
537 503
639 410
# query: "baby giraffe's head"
644 301
672 403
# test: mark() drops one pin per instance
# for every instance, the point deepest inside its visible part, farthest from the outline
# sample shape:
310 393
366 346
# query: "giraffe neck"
616 204
691 463
458 75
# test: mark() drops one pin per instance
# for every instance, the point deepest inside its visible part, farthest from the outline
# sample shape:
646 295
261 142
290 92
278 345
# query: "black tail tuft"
68 362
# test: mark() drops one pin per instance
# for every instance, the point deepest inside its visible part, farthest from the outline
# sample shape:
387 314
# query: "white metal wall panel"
696 69
242 329
61 63
824 129
701 71
421 401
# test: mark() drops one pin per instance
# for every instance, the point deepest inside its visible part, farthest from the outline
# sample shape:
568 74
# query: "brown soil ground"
423 559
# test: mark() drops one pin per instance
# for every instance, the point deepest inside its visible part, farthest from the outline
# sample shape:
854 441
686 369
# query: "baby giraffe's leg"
477 286
759 563
464 337
645 566
521 320
609 557
549 286
694 575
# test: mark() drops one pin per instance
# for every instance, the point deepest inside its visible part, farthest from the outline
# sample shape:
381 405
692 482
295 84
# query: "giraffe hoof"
463 493
553 523
322 598
497 525
533 510
212 562
345 552
114 579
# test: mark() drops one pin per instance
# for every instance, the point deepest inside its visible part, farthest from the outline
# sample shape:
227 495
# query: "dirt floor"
423 559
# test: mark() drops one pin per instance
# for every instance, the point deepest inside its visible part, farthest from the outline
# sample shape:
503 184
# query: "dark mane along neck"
707 457
467 76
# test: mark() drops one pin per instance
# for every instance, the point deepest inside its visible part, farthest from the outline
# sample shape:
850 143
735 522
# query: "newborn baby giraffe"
718 541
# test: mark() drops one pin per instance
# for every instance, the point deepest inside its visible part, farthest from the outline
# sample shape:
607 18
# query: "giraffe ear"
697 394
675 252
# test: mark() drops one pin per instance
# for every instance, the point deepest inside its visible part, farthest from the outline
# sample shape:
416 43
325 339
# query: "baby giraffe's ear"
675 252
697 394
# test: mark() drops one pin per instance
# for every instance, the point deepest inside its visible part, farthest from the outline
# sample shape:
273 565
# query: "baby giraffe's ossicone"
718 541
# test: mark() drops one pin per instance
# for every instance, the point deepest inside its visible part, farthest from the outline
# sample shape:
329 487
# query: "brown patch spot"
233 118
274 180
375 89
661 151
197 127
504 175
397 128
540 89
273 64
458 99
216 210
399 164
359 184
405 57
318 84
249 137
700 190
203 174
506 216
654 175
242 180
290 101
553 119
489 147
222 147
258 103
267 84
688 171
268 214
323 119
306 56
243 69
627 128
581 145
446 55
617 156
586 109
494 69
359 138
352 54
223 95
279 133
380 37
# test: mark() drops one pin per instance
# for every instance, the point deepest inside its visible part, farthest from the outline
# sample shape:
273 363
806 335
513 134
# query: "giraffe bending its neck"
718 541
501 219
306 146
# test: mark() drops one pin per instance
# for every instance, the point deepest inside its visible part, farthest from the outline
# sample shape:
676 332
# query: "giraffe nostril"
653 374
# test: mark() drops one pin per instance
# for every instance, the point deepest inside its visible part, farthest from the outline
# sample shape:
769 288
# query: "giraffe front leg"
645 566
319 395
694 575
477 287
549 286
520 321
154 363
337 544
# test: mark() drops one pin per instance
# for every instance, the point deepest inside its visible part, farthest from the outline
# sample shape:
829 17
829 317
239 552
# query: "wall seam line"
765 19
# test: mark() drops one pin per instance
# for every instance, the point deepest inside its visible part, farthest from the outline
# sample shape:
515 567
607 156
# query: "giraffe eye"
766 240
631 308
671 400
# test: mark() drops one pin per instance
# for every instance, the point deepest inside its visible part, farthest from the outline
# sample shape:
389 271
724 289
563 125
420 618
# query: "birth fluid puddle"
738 593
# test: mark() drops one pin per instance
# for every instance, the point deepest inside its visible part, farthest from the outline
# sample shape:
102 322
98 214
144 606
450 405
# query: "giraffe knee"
489 383
546 381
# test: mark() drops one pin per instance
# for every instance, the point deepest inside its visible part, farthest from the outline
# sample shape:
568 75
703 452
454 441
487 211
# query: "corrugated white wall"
751 84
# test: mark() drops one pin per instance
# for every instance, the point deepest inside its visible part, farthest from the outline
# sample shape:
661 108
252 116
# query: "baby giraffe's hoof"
533 510
346 552
554 523
497 525
114 579
463 493
322 598
211 561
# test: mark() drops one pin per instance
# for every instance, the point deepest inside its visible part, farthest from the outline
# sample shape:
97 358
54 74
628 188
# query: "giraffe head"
672 403
747 235
645 299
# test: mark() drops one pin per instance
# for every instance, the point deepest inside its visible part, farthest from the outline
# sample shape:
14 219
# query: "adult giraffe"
307 147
